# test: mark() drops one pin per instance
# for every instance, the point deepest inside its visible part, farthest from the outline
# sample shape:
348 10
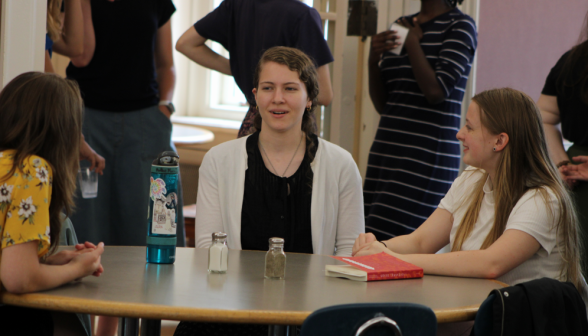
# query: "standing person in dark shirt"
564 110
247 29
127 81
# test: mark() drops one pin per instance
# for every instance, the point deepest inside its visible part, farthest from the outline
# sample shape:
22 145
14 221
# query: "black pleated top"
274 206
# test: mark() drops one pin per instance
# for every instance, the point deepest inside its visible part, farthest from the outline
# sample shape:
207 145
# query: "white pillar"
22 38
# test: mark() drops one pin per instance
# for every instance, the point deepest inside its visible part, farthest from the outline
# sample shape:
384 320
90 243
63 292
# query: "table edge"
153 311
499 282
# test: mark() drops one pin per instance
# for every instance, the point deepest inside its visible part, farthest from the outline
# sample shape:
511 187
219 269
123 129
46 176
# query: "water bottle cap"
218 235
167 158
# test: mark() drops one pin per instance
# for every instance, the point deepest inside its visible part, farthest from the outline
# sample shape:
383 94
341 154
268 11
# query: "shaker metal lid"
219 235
276 240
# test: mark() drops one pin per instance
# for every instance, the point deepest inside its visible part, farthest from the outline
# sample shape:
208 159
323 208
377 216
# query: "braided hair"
454 3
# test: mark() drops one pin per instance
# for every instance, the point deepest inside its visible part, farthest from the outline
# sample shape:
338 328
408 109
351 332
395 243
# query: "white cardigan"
336 209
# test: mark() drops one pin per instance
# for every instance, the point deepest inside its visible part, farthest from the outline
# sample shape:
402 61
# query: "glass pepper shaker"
275 259
218 253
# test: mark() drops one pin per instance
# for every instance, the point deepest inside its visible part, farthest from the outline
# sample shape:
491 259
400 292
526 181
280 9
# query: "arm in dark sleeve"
165 10
550 87
215 25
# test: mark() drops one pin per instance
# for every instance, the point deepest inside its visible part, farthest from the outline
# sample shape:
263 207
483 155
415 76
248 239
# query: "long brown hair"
54 19
42 115
524 165
299 62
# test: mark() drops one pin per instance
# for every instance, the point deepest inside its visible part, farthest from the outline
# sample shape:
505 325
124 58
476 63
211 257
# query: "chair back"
371 319
484 323
538 307
67 235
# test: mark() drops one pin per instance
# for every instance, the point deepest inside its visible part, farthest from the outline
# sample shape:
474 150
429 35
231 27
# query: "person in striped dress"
415 155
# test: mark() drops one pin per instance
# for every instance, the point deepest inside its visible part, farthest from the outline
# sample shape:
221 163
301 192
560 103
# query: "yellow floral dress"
24 202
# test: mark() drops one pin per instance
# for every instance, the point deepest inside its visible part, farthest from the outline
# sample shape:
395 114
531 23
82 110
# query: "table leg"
128 326
282 330
150 327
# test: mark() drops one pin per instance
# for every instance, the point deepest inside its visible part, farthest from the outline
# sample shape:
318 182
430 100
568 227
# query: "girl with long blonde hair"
508 216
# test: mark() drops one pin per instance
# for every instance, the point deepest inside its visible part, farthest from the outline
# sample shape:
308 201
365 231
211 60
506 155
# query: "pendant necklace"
285 170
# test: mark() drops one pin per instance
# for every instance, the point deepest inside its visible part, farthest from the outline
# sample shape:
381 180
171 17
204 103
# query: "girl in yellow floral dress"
41 120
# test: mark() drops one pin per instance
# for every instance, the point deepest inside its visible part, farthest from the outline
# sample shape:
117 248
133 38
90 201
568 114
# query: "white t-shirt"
530 215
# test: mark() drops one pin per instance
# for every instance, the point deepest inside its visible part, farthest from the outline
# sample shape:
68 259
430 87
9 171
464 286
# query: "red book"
381 266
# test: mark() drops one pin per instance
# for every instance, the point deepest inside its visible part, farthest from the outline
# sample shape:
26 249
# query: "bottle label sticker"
164 208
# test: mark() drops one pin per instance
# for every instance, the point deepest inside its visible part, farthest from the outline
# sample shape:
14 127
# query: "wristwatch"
169 105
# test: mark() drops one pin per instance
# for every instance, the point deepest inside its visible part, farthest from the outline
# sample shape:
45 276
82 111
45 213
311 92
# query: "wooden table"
184 135
185 291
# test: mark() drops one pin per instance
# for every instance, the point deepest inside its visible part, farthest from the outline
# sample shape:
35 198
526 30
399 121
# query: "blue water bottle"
162 213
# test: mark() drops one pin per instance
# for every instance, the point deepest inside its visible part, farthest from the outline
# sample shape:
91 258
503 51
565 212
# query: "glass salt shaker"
218 253
275 259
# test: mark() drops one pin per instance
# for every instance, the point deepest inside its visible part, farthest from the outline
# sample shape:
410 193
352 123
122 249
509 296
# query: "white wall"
520 41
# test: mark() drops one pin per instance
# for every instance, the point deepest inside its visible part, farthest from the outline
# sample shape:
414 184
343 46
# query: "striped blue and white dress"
415 156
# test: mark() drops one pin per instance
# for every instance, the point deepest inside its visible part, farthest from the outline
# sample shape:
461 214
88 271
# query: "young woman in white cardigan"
282 180
507 217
